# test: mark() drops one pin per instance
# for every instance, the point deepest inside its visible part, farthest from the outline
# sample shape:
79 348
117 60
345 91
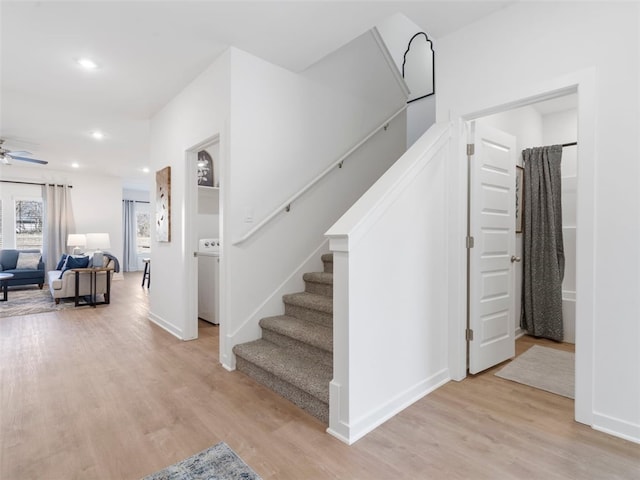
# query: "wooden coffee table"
4 284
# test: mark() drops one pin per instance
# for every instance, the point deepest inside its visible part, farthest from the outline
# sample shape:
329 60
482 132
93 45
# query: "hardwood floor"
105 394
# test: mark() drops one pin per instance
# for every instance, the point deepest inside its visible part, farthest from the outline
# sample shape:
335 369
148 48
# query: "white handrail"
285 207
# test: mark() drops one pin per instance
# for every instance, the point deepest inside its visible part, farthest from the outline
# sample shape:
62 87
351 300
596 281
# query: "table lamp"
97 242
76 240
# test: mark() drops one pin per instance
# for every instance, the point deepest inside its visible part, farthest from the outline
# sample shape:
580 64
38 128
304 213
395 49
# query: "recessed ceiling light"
145 169
75 165
97 135
87 63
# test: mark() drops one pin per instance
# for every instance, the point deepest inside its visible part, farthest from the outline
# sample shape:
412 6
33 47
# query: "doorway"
202 221
550 122
582 83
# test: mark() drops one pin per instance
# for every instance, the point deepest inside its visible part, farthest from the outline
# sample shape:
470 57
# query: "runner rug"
544 368
215 463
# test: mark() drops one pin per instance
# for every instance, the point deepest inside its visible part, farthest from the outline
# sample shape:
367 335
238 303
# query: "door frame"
584 84
190 238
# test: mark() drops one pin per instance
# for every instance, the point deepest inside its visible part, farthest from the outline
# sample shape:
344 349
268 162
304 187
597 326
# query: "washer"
208 279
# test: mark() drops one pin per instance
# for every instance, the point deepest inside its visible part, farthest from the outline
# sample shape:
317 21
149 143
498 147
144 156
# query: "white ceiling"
147 52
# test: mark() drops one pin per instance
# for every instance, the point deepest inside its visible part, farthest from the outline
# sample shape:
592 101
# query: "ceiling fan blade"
26 159
20 152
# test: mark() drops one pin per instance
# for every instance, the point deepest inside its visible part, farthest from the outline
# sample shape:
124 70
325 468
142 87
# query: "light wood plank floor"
105 394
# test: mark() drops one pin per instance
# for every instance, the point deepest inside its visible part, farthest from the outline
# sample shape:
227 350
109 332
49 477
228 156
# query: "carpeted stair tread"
311 301
319 277
303 373
311 333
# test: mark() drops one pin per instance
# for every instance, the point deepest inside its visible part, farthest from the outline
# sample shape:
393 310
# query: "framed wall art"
418 68
205 169
163 205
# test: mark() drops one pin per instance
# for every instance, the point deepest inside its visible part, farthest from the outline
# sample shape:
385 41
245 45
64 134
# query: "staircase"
294 357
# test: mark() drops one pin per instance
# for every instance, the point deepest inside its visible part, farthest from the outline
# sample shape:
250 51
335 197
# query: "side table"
93 272
4 277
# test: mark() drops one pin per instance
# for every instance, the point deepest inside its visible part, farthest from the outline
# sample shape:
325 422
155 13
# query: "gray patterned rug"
215 463
27 300
544 368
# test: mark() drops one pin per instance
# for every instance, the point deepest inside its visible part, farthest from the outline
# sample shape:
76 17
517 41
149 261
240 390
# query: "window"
29 223
143 228
21 216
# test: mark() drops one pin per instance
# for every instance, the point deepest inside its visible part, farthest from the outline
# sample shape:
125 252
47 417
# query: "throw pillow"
75 262
63 259
28 260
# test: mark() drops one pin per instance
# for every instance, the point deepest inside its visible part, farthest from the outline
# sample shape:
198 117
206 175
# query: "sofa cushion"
28 261
63 259
23 273
8 258
75 262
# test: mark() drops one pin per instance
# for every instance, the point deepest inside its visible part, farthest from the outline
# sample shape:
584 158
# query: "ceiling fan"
7 155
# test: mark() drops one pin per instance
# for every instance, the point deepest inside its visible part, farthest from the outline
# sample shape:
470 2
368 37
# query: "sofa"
26 266
62 281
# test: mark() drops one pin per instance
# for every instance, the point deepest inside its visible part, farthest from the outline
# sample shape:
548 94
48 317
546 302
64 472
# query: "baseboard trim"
165 325
616 427
351 433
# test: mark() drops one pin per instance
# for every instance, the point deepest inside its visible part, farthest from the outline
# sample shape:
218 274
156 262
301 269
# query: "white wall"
196 114
96 201
391 291
286 128
136 195
397 31
525 50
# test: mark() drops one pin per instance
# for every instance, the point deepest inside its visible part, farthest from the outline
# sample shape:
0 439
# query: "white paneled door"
492 257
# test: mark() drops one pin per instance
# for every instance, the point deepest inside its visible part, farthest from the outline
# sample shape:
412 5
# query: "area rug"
215 463
28 300
544 368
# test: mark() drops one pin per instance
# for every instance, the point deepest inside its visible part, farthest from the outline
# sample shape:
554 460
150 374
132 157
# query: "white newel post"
339 387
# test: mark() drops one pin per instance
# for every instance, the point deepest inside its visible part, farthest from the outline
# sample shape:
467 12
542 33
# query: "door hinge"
470 242
470 149
469 335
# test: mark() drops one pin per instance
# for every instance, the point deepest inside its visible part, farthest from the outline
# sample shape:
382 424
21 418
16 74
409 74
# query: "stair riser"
308 314
319 288
322 356
302 399
328 267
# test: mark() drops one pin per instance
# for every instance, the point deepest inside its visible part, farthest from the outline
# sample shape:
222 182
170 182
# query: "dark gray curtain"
543 250
58 223
130 263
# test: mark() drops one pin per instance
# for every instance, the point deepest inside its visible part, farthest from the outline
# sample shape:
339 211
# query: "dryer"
209 279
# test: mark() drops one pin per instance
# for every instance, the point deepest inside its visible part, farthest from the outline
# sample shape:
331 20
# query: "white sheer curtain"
130 262
58 222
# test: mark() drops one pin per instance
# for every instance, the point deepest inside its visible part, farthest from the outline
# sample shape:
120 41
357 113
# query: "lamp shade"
76 240
98 241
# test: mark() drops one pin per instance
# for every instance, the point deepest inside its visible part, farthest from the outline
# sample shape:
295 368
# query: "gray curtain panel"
58 223
130 263
543 248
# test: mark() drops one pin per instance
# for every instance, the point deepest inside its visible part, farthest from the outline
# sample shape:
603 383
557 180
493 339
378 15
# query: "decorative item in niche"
205 169
418 67
163 205
519 197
